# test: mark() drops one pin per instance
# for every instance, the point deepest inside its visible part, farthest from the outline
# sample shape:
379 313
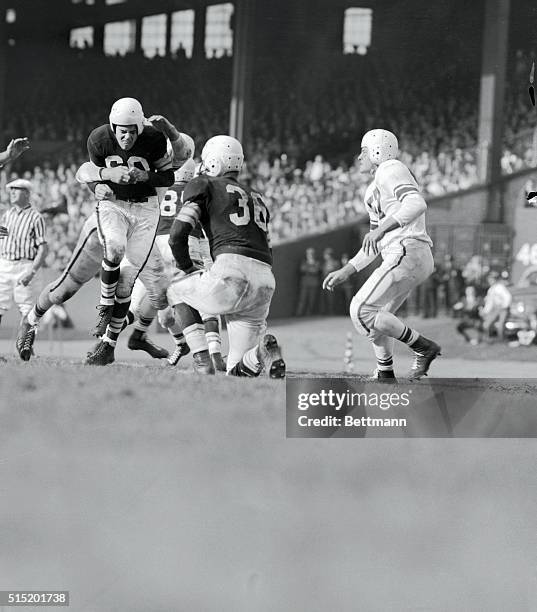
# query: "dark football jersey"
169 207
234 218
148 149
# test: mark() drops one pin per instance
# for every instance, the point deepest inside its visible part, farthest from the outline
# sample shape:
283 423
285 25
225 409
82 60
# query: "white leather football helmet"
127 111
186 172
221 154
381 145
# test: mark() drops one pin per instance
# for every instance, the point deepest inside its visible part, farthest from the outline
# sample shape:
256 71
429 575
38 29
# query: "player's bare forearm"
42 252
181 150
338 276
14 149
179 233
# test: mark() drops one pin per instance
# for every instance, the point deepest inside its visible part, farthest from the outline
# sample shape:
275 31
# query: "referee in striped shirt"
23 249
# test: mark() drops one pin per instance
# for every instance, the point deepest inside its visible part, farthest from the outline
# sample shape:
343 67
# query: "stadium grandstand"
299 87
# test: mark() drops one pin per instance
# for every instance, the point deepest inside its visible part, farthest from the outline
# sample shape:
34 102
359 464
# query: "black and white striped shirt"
26 232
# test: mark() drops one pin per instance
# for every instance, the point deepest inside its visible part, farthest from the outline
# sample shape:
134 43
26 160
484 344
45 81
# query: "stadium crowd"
303 140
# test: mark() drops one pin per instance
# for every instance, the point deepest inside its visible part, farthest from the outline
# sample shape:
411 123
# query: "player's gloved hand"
104 192
3 231
17 147
117 174
370 245
337 277
138 176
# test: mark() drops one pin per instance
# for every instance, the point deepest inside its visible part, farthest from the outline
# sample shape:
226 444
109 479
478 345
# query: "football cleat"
105 314
203 363
180 351
218 362
425 351
102 355
138 341
383 376
270 357
25 340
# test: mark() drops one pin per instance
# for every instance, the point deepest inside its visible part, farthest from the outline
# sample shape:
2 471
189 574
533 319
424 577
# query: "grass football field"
139 487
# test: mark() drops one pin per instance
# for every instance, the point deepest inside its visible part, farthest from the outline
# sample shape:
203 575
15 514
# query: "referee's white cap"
20 184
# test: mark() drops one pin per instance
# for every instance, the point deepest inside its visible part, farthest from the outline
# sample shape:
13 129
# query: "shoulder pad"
390 166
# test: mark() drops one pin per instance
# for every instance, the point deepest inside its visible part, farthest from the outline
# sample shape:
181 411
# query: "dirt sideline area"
317 345
142 487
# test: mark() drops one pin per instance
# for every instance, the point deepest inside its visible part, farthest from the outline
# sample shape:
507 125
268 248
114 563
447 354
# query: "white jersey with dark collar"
385 196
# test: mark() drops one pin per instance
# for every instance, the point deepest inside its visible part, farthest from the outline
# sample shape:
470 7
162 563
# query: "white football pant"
238 287
402 270
127 229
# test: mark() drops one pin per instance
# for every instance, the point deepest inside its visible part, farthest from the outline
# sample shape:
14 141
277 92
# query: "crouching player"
240 284
397 216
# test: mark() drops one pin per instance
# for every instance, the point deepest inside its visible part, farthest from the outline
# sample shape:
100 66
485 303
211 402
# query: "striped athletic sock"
212 333
385 365
251 360
214 342
121 308
179 339
143 324
37 312
409 336
195 337
109 280
248 366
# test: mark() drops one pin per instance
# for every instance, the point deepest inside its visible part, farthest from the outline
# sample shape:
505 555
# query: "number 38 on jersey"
243 216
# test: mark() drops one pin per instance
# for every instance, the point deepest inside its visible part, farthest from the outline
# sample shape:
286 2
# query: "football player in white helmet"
221 154
198 245
240 284
87 256
133 162
397 232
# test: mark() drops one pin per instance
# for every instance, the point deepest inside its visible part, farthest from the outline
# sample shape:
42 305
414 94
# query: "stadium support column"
198 52
242 69
98 28
138 37
491 102
168 51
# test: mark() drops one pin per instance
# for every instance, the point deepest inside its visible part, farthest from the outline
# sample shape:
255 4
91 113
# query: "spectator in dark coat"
309 285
